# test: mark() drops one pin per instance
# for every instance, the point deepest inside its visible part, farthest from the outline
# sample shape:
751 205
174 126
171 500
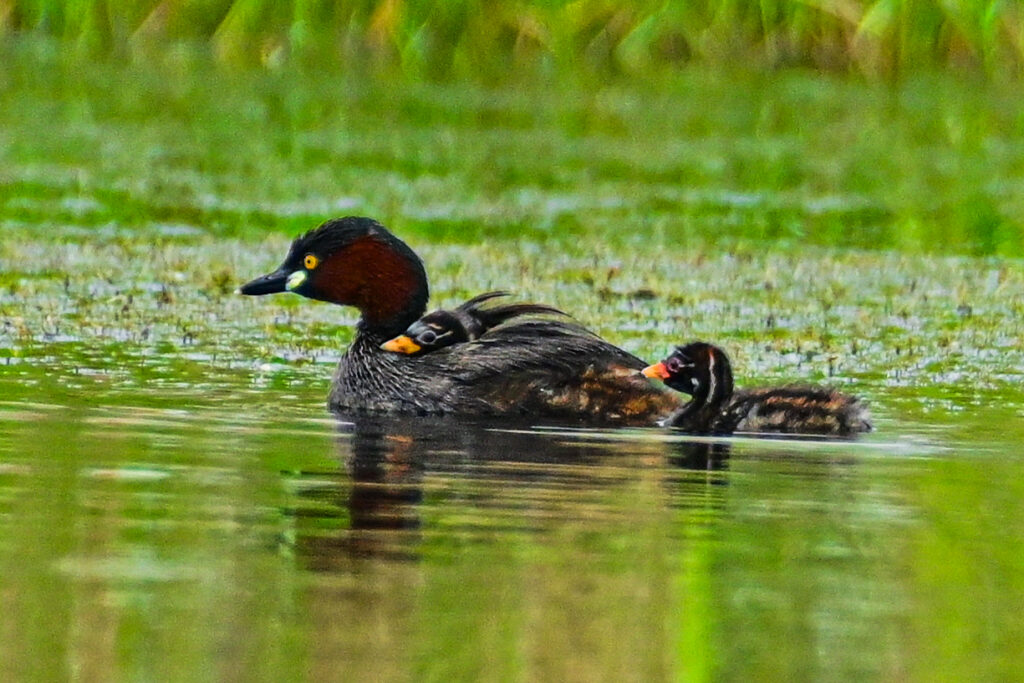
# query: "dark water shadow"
428 527
374 504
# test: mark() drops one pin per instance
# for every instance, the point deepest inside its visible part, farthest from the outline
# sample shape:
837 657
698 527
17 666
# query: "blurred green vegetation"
489 39
933 163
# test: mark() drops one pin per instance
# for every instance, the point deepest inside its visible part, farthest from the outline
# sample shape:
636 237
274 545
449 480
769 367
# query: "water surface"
241 530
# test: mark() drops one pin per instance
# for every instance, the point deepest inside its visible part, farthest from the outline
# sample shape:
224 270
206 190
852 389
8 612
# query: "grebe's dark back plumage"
533 367
704 372
466 322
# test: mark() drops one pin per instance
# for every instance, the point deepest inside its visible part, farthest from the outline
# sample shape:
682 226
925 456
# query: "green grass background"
492 38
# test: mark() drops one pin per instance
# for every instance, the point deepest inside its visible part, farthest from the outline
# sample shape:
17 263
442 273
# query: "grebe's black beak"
272 283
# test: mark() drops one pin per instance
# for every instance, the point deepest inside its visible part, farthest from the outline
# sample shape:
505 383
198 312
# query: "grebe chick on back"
466 322
704 372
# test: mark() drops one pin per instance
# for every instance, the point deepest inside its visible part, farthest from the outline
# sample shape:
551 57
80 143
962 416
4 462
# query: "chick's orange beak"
401 344
656 371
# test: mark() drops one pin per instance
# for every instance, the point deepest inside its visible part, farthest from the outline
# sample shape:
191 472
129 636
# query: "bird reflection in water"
492 477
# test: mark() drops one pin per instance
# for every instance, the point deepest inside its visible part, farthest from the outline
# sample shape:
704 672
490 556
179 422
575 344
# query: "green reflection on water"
154 542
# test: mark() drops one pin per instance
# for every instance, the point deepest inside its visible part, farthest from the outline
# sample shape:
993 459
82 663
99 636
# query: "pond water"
177 504
240 532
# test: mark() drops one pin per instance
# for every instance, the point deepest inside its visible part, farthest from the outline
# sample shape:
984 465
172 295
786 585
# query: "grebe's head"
693 368
433 331
353 261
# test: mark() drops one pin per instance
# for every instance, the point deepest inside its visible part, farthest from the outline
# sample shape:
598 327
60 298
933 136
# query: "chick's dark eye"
428 337
674 365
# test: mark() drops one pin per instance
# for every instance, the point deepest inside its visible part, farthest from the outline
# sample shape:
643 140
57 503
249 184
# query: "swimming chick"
549 369
704 372
466 322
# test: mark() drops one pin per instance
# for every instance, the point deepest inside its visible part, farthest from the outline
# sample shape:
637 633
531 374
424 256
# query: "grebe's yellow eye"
310 261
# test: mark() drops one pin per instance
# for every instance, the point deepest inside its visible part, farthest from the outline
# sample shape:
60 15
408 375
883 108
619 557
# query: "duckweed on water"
880 323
